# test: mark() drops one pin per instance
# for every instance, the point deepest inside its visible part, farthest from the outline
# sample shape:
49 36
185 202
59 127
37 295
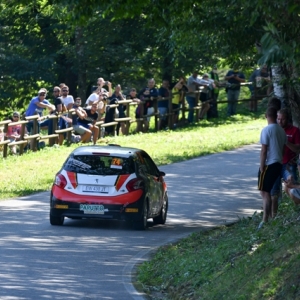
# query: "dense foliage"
47 42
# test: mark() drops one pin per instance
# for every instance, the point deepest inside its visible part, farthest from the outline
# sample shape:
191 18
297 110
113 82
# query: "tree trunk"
279 88
81 64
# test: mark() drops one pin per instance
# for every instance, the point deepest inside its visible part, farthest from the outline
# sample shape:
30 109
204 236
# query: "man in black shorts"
272 139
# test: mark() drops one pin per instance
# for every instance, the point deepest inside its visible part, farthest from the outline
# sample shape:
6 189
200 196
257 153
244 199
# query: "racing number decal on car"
116 163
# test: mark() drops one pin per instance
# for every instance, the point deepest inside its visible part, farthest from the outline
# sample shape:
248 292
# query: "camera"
106 82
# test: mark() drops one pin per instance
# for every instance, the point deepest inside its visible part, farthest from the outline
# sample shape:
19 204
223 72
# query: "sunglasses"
42 94
16 116
55 91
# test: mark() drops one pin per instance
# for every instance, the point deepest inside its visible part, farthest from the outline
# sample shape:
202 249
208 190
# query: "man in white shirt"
67 99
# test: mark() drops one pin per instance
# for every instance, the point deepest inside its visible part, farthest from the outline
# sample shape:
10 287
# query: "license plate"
95 189
92 209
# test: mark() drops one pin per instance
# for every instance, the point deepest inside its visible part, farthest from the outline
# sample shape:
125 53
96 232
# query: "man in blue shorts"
272 139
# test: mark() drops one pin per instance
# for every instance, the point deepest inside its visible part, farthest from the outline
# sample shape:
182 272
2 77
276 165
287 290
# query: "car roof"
111 150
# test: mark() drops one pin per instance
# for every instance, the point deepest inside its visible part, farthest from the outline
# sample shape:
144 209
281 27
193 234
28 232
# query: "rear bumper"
128 212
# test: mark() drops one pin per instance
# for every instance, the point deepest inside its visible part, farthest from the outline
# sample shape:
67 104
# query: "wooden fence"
36 137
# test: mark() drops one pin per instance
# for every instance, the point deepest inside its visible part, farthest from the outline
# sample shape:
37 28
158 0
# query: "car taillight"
135 184
60 181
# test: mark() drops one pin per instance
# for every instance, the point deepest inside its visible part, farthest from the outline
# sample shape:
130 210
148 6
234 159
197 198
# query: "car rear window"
99 165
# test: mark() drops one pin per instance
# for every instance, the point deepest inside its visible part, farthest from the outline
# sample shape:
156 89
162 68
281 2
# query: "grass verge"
35 171
230 262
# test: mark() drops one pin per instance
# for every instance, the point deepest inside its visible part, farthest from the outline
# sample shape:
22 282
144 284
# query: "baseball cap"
42 90
205 75
16 113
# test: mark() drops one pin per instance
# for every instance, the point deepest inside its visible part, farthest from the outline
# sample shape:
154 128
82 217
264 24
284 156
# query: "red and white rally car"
109 182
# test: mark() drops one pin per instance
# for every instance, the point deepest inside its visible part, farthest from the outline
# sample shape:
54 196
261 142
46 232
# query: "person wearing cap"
234 79
37 106
14 132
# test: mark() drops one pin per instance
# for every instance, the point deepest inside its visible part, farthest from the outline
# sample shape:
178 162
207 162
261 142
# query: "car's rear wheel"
54 220
162 217
142 223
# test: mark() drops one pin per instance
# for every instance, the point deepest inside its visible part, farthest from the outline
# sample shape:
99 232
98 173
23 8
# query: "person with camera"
87 117
234 79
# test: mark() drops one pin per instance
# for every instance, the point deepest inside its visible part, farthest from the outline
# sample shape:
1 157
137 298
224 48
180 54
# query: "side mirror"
162 173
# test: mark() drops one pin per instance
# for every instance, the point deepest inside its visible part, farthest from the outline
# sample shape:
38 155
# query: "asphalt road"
87 259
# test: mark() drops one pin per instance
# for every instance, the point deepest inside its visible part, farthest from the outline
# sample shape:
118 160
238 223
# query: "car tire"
162 217
54 220
142 223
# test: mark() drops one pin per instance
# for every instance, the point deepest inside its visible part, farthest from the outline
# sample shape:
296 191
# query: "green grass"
35 171
230 262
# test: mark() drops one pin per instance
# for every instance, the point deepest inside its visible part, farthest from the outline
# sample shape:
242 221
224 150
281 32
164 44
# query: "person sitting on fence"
14 132
37 106
177 98
67 99
121 108
163 105
205 94
147 95
133 96
87 117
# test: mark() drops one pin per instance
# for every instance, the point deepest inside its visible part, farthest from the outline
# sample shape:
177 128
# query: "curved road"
94 259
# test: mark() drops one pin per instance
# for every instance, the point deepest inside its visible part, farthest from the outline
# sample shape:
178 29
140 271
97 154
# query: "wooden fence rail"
35 136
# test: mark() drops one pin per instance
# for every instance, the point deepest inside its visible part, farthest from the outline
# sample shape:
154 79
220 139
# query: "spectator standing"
121 108
234 79
133 96
205 94
272 139
260 80
163 105
77 105
193 84
289 164
87 117
37 106
100 91
147 95
177 98
213 110
68 102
